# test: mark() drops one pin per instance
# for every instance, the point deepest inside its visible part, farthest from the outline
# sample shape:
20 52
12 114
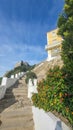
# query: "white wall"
47 121
12 76
10 82
6 83
32 87
2 91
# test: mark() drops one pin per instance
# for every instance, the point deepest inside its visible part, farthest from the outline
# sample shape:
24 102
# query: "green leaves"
30 75
0 79
68 7
54 93
65 25
61 20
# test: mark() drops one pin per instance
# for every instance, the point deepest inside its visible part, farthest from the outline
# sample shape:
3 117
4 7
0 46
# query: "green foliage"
53 93
65 25
30 75
9 73
22 68
32 67
0 79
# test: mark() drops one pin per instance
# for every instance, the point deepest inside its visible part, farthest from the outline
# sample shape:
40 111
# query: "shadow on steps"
9 98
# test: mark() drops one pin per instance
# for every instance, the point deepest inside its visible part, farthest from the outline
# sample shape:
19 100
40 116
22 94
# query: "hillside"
42 68
19 68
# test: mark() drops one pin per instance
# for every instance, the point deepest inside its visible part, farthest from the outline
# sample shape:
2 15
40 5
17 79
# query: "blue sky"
23 28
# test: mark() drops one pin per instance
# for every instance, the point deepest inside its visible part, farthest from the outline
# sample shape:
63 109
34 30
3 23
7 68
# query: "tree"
30 75
65 25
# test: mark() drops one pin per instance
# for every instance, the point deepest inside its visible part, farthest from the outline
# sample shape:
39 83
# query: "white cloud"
18 43
16 36
22 49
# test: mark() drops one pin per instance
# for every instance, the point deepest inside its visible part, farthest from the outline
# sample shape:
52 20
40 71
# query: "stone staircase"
15 109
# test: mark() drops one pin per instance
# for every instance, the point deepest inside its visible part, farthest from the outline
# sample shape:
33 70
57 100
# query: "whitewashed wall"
47 121
2 91
11 82
16 75
32 87
12 76
6 83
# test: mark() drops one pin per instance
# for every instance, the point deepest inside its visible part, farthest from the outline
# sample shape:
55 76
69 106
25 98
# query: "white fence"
18 76
32 87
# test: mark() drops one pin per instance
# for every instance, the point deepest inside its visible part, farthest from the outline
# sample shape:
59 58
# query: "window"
53 34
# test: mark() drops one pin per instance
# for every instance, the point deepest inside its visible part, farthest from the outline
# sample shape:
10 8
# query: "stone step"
7 96
22 81
18 128
19 88
15 116
15 106
15 99
8 100
16 93
17 123
16 113
22 101
4 100
19 91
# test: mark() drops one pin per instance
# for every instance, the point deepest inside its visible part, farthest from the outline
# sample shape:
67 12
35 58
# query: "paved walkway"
15 109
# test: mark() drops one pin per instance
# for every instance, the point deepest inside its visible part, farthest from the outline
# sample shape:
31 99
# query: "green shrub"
22 68
9 73
54 94
0 80
30 75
